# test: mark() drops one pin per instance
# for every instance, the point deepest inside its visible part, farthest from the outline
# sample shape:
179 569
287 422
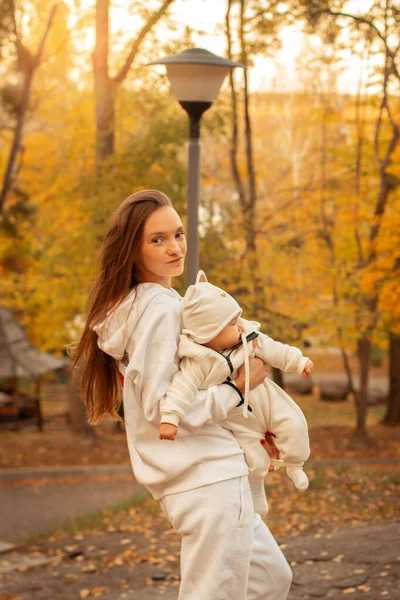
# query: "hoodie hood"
115 331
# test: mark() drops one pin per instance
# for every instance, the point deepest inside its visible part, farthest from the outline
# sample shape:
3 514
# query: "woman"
132 333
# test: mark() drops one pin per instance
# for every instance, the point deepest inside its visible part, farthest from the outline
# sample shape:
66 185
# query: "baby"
214 343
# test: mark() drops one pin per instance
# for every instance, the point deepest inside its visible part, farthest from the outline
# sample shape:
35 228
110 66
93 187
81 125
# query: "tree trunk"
118 427
8 176
39 414
392 416
277 377
364 349
249 217
29 71
77 417
105 117
360 436
104 86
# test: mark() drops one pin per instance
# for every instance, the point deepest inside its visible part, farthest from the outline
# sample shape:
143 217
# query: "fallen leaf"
338 558
91 568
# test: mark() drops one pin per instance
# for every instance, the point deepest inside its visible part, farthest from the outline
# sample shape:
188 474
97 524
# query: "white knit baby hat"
207 310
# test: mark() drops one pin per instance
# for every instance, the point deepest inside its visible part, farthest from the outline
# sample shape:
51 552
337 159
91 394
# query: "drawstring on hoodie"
246 376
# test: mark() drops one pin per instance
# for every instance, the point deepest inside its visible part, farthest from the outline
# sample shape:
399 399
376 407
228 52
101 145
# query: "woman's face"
163 247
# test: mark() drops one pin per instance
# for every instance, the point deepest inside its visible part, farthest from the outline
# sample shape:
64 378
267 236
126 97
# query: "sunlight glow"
279 74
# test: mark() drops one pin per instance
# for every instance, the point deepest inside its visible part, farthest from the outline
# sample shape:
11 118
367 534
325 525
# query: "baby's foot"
299 478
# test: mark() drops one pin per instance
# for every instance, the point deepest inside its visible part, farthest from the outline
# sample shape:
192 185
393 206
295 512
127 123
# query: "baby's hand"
167 431
308 369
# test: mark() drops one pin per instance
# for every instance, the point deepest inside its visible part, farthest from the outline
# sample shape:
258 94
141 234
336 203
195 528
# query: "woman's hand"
167 431
268 444
258 372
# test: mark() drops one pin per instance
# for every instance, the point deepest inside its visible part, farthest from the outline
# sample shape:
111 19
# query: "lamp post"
196 76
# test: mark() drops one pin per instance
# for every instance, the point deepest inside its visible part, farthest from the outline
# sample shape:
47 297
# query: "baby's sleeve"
281 356
180 394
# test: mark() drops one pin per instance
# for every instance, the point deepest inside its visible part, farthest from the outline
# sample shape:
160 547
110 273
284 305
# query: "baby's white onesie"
270 407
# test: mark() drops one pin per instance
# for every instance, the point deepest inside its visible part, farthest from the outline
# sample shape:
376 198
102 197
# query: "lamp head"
196 75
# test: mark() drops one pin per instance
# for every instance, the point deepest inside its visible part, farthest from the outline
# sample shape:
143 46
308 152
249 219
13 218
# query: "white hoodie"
144 330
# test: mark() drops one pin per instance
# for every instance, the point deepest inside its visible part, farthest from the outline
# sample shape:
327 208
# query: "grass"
321 413
93 522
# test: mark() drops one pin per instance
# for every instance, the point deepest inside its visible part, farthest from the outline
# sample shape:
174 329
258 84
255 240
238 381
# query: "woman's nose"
173 247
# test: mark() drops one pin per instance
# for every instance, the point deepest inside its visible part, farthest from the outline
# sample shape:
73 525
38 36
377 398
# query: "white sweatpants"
227 552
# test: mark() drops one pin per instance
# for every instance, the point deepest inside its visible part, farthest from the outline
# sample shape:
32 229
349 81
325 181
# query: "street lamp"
196 76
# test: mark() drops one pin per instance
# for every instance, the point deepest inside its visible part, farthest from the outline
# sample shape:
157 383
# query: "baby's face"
228 337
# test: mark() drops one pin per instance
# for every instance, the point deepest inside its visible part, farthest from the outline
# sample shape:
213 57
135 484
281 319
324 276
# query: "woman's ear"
201 277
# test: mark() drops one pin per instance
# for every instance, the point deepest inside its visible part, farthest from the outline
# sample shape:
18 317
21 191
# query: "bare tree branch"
372 25
234 138
122 73
360 127
33 65
39 52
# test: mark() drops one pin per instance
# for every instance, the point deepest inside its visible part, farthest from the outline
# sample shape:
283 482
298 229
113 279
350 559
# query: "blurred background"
299 220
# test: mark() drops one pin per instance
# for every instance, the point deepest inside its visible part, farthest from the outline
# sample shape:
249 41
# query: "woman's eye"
180 234
156 240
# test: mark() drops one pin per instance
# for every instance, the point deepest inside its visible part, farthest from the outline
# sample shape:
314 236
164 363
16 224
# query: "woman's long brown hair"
117 275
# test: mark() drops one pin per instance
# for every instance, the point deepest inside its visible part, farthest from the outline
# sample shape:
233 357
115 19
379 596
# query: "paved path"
28 510
7 475
361 562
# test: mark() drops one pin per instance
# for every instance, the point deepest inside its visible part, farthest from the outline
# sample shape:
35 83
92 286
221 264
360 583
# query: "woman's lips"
177 260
